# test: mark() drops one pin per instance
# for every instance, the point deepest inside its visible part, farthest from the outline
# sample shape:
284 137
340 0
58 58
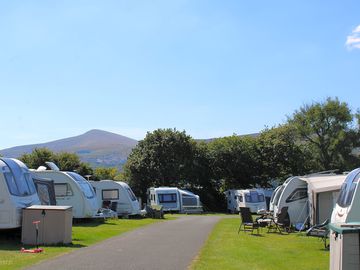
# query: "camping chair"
320 230
247 221
281 222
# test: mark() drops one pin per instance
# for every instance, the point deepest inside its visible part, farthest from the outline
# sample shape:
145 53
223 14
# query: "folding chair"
321 231
247 221
281 221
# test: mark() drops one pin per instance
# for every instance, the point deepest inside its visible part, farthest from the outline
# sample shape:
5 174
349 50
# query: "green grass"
84 234
225 249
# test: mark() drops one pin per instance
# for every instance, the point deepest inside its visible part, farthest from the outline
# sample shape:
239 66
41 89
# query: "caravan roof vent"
41 168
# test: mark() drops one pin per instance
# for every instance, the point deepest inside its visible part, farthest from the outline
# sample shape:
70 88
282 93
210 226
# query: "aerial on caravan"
117 196
173 199
71 189
310 199
17 192
251 198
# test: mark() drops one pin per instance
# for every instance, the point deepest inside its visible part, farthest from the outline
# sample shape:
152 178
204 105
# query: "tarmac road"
168 245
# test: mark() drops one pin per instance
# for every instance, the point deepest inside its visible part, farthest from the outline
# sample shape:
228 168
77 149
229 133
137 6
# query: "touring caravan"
309 198
17 192
71 189
174 199
252 198
347 208
116 195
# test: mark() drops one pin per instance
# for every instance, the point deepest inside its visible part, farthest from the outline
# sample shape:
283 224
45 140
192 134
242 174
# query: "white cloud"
353 40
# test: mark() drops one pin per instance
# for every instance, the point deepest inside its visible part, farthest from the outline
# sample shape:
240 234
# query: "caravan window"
131 194
30 183
240 198
84 185
22 186
188 200
348 189
110 194
62 190
297 194
167 198
10 180
254 197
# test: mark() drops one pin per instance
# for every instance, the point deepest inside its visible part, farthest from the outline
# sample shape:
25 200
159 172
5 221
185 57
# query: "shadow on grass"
88 222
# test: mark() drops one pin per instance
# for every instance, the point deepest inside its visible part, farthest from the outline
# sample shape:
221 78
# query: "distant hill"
97 147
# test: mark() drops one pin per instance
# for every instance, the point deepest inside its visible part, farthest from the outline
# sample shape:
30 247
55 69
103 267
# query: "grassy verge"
84 234
225 249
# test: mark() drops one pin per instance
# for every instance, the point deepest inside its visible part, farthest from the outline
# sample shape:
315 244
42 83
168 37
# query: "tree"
325 126
37 157
234 161
64 160
71 162
280 154
163 158
201 179
102 173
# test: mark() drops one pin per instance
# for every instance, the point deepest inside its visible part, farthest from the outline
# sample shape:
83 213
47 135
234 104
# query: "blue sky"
212 68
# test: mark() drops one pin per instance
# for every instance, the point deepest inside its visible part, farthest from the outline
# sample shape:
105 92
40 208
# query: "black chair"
113 206
247 222
281 223
321 231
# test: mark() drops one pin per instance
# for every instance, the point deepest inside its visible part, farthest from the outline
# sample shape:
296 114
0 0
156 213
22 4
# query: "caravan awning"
317 185
324 183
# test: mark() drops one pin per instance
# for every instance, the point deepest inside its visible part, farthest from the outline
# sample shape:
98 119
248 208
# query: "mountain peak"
96 146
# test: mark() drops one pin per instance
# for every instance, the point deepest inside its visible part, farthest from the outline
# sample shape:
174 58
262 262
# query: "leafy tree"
71 162
234 161
201 179
325 126
37 157
163 158
64 160
280 154
105 173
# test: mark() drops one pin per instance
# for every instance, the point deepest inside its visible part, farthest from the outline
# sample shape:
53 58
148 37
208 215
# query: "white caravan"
116 195
251 198
347 208
17 192
71 189
174 199
309 198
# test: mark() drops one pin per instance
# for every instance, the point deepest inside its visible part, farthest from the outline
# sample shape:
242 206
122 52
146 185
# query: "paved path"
169 245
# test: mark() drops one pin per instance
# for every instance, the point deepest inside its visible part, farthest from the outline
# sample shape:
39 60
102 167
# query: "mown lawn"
225 249
84 234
